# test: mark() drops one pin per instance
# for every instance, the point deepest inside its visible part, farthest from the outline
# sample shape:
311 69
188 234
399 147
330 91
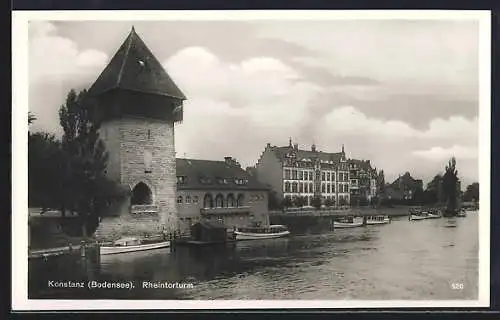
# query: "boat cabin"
130 241
377 218
348 219
209 231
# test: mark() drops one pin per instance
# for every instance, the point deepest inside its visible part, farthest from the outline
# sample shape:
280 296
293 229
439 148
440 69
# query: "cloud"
263 88
53 56
350 120
57 65
440 154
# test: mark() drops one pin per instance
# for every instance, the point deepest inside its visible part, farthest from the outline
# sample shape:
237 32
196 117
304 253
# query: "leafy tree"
86 190
472 192
329 202
450 185
299 201
287 202
31 118
45 162
273 201
316 202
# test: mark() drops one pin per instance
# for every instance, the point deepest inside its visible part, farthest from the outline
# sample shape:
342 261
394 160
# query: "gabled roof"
282 152
205 175
134 67
362 164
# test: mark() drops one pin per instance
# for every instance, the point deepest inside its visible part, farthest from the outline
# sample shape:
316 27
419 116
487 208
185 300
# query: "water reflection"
401 260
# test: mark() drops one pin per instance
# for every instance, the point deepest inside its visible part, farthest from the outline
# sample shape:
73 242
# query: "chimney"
313 148
268 145
228 160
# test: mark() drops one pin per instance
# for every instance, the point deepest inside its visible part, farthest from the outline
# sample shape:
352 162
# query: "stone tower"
139 104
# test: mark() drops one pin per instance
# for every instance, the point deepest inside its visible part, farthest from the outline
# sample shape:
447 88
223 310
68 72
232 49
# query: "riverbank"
396 211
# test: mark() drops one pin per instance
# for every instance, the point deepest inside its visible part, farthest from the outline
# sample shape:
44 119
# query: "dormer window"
205 180
241 181
181 179
222 181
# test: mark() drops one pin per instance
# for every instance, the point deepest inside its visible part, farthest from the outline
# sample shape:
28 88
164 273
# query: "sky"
402 93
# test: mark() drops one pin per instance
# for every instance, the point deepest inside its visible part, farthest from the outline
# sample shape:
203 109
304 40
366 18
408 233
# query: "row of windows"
220 200
309 176
206 180
300 187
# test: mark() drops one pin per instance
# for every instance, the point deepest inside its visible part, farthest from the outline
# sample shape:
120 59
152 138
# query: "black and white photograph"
263 159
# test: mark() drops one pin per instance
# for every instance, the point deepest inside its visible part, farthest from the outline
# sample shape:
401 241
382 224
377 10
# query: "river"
417 260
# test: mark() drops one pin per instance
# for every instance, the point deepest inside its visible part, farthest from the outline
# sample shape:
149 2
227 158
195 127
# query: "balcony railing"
144 208
225 210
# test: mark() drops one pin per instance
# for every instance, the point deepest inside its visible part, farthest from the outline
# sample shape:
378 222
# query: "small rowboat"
131 244
257 232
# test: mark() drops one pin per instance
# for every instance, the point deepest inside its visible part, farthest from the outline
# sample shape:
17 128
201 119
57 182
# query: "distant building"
219 191
404 187
293 172
363 180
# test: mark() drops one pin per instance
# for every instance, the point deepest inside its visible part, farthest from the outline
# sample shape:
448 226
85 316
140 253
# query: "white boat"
377 220
348 222
432 215
256 233
418 217
131 244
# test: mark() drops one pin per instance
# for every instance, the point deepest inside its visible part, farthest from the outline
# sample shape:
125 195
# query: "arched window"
195 199
294 187
231 202
240 199
188 199
305 187
311 188
287 186
141 194
219 201
179 199
208 201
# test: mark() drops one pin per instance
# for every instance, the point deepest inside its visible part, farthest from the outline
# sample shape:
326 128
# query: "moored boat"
131 244
416 216
258 232
381 219
462 214
348 222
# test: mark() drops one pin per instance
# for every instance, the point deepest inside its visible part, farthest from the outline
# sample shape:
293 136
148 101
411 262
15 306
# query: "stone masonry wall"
135 137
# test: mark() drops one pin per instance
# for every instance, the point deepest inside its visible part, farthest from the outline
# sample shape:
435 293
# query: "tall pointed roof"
134 67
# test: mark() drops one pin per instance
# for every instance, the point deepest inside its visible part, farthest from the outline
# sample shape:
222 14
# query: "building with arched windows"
219 191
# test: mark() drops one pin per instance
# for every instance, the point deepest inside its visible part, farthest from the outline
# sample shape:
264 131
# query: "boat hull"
433 216
373 222
258 236
342 225
107 250
416 217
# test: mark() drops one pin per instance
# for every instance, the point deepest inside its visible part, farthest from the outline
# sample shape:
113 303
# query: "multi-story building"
220 191
292 172
404 187
363 181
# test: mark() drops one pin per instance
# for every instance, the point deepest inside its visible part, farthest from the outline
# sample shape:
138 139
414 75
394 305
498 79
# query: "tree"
287 202
450 185
316 202
31 118
87 190
381 183
472 192
299 201
273 201
45 162
342 202
329 202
